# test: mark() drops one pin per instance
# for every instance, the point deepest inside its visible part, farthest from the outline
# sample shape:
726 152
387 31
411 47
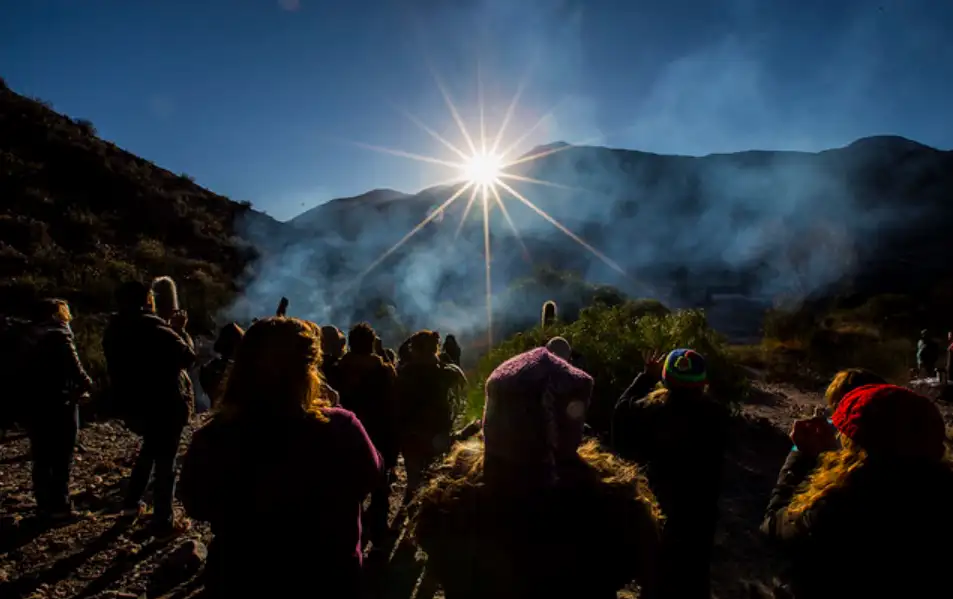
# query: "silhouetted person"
214 372
560 347
864 510
280 475
451 351
368 388
531 512
680 434
426 388
333 344
51 413
147 358
927 354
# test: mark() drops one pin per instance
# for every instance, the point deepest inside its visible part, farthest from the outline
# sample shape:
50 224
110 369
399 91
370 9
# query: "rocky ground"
99 557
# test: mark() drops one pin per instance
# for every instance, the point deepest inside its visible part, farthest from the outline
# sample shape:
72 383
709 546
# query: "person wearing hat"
680 433
877 507
530 510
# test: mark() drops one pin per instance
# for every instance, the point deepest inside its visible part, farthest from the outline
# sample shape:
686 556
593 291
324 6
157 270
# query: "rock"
185 560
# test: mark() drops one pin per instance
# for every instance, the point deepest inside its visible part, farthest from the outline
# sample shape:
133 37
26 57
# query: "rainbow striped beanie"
684 368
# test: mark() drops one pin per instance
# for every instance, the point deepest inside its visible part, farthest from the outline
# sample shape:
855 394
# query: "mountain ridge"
84 214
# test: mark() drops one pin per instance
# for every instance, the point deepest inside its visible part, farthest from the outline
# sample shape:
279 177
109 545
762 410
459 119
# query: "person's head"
134 296
873 422
228 339
333 342
451 346
360 338
684 370
276 370
534 415
166 297
560 347
51 310
847 380
425 344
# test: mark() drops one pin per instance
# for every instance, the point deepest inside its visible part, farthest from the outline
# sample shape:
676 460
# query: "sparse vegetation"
86 126
809 344
612 340
80 214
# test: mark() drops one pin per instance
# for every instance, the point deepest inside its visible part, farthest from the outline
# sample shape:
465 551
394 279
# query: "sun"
483 169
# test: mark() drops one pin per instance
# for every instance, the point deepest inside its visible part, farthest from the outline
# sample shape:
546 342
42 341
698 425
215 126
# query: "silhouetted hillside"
79 214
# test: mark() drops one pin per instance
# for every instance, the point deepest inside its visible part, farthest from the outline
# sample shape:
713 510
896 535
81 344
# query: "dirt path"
93 558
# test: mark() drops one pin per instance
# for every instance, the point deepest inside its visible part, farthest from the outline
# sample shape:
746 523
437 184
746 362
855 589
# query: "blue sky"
257 98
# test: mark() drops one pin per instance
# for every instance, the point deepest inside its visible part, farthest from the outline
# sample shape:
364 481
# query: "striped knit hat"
684 368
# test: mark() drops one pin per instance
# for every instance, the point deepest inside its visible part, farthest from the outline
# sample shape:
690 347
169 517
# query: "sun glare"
482 173
483 169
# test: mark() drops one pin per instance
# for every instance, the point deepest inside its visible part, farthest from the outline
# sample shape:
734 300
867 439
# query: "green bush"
812 343
612 340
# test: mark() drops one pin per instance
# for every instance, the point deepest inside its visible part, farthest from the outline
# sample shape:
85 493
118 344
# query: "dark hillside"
78 214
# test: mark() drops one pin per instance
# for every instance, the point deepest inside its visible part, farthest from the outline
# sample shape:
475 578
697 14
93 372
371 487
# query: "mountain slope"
79 214
868 218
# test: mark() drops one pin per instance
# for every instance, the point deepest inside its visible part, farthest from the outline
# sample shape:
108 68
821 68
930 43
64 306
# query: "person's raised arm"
812 437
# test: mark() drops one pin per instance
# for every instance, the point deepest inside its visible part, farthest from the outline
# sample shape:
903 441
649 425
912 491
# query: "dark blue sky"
252 97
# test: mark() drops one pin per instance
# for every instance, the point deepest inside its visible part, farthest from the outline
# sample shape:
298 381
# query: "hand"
654 361
814 436
179 319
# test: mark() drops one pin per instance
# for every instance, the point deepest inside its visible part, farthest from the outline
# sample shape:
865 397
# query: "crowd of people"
309 422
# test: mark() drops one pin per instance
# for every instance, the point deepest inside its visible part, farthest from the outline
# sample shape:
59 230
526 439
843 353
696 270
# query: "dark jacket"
148 366
213 376
51 364
425 400
286 515
584 539
884 533
681 440
367 386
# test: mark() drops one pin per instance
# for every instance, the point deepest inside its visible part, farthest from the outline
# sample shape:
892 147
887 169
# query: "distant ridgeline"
80 214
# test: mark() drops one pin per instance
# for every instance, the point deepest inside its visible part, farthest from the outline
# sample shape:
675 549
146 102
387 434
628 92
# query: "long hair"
276 370
463 469
166 296
833 471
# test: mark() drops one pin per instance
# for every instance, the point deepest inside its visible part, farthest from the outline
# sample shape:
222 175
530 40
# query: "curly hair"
463 470
276 370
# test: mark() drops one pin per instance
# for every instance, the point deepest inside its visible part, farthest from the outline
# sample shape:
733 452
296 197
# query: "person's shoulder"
339 418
